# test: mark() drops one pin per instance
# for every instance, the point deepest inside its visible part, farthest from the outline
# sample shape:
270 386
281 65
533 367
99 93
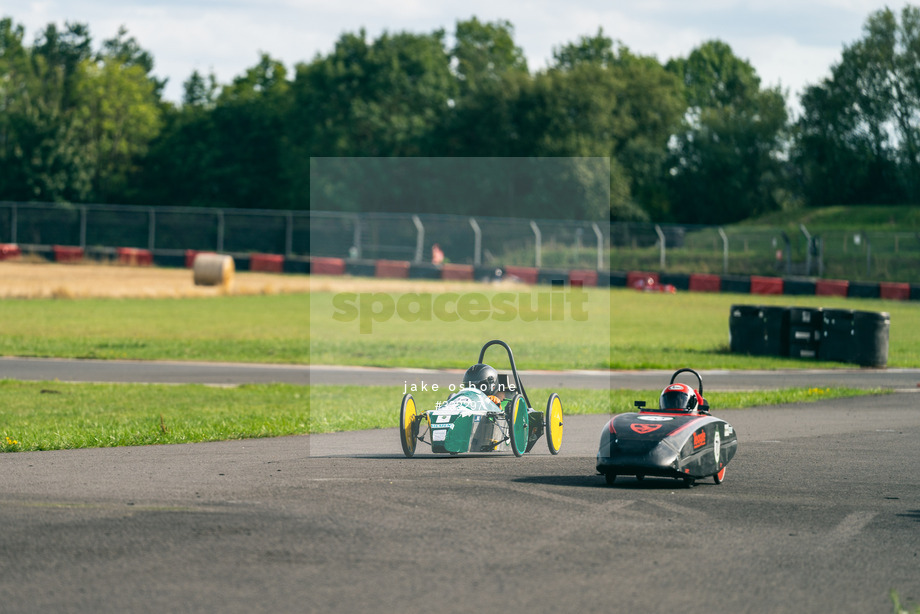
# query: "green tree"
491 74
599 99
119 115
727 160
41 157
859 135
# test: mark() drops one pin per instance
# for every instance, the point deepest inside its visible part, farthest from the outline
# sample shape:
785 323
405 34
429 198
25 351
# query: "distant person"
437 255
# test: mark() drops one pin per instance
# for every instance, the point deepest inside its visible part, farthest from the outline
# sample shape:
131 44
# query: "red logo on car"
699 439
642 429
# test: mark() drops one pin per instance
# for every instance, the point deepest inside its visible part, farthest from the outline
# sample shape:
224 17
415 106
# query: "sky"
790 43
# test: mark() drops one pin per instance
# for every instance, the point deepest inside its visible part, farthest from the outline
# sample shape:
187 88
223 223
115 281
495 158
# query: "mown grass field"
625 330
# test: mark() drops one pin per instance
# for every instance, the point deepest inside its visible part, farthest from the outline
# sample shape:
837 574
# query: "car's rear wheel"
408 425
610 478
554 423
517 424
719 476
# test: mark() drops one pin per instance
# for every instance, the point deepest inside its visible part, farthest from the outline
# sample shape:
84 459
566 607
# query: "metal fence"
481 241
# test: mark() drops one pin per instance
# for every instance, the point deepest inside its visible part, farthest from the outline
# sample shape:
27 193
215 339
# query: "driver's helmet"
678 397
482 377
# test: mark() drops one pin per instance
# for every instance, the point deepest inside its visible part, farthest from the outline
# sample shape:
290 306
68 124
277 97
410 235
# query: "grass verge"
628 330
54 415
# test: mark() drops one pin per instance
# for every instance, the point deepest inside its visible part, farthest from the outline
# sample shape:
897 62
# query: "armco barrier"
798 287
396 269
634 277
9 250
766 285
134 256
700 282
583 278
327 266
735 284
67 254
680 281
528 275
863 289
266 263
831 287
553 277
894 291
457 272
424 270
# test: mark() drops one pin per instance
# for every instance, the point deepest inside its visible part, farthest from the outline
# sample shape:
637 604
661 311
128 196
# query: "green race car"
490 412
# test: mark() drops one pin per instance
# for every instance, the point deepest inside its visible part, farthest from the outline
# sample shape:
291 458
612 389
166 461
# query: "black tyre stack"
839 335
759 330
804 332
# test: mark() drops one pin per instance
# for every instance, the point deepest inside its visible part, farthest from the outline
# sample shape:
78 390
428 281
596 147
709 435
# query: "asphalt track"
819 511
68 370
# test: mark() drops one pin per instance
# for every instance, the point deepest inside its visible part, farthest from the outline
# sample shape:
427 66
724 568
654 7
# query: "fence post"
539 237
151 228
419 237
600 246
289 236
477 242
807 248
83 227
356 237
220 230
13 223
661 241
724 250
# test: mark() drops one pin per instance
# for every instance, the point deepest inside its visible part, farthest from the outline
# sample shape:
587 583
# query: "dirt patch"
23 279
51 280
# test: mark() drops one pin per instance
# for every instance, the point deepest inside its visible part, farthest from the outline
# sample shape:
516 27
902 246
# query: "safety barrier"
838 335
9 251
266 263
133 256
67 254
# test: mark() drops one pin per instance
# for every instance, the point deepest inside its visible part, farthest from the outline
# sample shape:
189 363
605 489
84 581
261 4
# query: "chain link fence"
480 240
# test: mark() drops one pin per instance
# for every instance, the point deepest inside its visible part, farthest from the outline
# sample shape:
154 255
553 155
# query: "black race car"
679 439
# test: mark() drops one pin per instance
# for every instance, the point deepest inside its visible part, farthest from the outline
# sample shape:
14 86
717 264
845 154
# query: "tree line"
698 139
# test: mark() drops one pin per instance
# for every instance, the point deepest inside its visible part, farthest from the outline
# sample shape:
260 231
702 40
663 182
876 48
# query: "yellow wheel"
517 424
408 425
554 423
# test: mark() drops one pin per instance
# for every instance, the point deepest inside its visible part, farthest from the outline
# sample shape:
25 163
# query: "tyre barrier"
133 256
266 263
67 254
700 282
8 251
525 274
766 285
831 287
695 282
213 270
396 269
838 335
759 330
